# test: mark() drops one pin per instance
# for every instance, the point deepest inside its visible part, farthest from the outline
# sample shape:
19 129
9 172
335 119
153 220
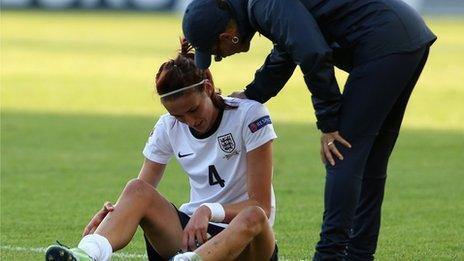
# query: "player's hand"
329 148
98 218
240 95
195 232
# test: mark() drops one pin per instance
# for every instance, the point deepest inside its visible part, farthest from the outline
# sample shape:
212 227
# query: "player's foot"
62 253
187 256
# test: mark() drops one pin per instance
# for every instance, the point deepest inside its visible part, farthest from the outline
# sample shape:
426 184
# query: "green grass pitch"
77 105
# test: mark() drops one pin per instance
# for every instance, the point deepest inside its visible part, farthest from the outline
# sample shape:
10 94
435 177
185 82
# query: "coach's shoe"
62 253
187 256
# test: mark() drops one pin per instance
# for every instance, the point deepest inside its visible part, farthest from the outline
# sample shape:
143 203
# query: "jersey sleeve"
158 147
258 127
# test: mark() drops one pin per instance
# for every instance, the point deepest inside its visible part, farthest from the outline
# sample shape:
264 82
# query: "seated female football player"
224 145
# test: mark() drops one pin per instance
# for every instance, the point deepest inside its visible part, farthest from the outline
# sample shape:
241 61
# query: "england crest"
226 143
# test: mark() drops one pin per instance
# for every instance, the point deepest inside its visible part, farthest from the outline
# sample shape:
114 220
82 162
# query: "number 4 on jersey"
214 177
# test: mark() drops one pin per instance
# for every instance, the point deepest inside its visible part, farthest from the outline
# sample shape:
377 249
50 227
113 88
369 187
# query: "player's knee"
137 188
253 220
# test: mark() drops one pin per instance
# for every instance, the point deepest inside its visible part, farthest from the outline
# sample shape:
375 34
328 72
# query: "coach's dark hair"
181 72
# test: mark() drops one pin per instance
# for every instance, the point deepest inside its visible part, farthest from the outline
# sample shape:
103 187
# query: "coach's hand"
329 148
240 95
98 218
195 232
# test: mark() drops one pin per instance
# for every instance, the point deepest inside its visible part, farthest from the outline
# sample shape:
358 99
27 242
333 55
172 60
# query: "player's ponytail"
186 49
181 72
176 74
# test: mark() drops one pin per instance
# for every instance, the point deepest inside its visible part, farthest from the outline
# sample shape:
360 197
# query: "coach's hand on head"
98 218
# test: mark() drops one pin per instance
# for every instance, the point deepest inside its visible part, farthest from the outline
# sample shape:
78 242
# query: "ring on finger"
330 143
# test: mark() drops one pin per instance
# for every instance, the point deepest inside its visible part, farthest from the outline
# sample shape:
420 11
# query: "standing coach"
382 44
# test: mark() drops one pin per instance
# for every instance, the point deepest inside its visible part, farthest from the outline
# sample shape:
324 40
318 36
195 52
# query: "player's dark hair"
181 72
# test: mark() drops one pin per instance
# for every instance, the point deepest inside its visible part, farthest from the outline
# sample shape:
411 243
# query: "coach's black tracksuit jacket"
384 45
315 34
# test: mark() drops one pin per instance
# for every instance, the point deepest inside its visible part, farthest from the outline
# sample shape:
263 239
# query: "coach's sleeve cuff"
328 125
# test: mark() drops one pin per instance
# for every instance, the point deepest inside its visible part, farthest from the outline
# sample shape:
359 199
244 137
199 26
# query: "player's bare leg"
248 237
141 204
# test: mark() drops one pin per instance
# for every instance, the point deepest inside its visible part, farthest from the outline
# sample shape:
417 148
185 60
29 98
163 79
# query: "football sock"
97 247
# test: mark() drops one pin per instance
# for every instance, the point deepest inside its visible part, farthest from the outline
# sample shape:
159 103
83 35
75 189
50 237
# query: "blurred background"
444 7
77 105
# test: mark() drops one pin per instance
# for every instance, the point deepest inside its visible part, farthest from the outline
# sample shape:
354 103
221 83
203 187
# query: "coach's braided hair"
181 72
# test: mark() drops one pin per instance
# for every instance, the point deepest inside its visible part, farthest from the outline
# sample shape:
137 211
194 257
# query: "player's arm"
258 134
151 172
259 179
157 153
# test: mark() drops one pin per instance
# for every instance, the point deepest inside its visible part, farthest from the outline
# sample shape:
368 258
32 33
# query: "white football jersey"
216 165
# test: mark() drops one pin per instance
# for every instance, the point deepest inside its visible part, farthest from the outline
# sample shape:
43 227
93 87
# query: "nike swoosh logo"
184 155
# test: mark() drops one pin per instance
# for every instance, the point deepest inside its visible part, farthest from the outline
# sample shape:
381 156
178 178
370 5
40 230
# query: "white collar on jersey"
183 89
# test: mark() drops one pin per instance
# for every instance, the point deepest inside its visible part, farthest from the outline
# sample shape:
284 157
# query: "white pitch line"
122 255
42 250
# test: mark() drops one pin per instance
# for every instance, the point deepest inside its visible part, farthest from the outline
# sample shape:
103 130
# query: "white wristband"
217 211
